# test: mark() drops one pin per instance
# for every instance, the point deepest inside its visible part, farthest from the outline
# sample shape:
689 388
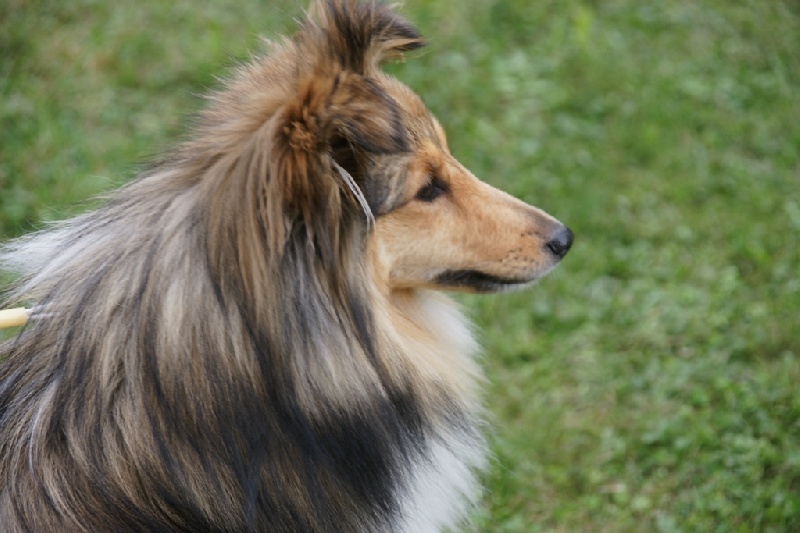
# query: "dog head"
350 145
441 227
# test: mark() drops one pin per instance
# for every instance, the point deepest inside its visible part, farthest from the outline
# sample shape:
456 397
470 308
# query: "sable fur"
227 345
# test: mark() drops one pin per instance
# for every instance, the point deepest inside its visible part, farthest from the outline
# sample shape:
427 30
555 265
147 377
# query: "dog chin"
482 282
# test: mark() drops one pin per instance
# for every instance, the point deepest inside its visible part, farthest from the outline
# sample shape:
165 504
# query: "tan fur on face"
473 226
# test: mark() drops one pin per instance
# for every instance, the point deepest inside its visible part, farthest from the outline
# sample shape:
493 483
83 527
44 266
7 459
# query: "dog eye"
432 190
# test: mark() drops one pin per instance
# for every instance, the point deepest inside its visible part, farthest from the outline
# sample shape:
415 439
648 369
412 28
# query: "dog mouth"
475 280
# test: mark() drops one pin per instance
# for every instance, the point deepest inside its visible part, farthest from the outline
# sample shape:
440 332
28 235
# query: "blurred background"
652 383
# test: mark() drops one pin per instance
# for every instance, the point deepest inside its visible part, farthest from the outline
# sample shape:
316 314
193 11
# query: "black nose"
561 241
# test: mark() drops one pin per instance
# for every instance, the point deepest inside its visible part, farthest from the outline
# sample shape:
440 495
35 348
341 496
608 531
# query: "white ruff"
443 486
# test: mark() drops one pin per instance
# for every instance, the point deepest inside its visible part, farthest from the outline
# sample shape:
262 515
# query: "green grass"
653 382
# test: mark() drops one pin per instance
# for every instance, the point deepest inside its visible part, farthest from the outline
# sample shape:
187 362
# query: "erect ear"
337 111
346 40
333 119
361 35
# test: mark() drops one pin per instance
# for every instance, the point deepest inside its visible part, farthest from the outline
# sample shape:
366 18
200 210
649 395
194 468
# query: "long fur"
243 338
215 359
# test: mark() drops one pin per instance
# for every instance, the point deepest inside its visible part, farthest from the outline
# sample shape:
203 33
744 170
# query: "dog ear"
336 115
333 120
338 111
361 35
339 103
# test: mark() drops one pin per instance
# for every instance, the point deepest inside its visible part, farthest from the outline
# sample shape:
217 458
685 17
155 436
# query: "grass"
651 383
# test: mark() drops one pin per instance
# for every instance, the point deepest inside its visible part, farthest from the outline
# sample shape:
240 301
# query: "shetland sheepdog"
251 335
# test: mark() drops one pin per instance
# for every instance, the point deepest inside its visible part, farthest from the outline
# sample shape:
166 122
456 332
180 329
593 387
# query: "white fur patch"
444 486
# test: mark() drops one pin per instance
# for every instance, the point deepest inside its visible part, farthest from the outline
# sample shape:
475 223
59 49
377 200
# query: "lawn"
653 382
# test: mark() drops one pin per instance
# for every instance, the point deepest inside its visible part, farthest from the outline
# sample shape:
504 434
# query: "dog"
252 335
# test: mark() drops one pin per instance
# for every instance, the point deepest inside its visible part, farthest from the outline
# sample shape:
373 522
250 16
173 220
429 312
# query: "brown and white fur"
250 336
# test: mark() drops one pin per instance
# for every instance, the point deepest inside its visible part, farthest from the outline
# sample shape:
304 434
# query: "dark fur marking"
384 187
359 24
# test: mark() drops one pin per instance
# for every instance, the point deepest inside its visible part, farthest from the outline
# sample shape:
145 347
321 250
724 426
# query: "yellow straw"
13 317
